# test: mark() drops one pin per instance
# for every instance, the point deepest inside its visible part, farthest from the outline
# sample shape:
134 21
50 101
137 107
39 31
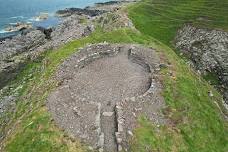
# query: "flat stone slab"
108 114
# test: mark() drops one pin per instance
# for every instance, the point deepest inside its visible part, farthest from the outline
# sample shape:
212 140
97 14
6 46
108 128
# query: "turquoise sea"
13 11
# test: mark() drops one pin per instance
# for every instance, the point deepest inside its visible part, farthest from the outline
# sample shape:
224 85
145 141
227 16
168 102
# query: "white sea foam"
12 23
2 31
33 19
27 22
14 17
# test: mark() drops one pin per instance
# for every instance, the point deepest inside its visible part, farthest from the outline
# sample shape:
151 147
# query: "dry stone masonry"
103 90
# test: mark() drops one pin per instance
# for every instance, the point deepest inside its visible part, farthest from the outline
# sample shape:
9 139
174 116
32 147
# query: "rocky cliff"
208 51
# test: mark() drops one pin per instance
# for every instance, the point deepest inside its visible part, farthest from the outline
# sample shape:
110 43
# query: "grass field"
162 18
197 124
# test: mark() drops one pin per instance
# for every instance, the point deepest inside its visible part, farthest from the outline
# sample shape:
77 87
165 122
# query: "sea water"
13 11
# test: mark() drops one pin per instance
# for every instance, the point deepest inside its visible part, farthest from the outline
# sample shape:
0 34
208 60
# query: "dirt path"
94 81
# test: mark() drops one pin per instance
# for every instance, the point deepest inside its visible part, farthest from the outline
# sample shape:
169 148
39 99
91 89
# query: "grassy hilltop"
197 124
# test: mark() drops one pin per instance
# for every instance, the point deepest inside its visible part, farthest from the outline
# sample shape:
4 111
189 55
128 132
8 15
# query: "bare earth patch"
104 89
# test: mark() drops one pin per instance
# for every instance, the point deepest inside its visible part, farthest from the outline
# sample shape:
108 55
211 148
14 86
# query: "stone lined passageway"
104 87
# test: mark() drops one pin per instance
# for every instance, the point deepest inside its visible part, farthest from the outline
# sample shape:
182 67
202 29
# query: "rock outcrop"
14 53
79 11
208 51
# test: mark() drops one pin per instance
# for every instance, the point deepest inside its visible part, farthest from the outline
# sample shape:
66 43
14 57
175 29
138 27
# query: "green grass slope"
197 124
162 18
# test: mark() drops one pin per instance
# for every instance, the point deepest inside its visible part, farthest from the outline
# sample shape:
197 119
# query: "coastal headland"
118 76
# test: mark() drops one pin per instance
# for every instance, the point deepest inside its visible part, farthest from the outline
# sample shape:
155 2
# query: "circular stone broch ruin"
104 89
